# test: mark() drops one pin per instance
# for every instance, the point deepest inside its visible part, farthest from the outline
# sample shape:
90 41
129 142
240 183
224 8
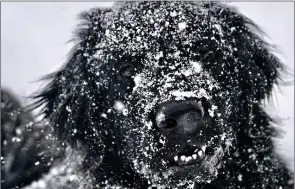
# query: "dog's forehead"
155 27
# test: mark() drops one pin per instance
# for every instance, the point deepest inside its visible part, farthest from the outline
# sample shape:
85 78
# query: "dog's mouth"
189 156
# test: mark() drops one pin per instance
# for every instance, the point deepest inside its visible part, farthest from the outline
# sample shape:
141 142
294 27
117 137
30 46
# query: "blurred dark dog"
169 95
28 150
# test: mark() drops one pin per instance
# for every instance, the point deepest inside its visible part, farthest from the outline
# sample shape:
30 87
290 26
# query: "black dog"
168 95
26 152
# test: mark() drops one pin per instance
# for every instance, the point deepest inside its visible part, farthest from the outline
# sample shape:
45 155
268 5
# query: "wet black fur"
249 91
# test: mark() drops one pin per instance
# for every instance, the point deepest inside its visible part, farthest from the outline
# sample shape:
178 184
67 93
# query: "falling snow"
177 67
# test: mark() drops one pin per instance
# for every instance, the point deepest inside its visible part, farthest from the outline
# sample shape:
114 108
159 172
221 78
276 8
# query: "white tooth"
182 158
200 153
187 159
175 158
203 148
195 156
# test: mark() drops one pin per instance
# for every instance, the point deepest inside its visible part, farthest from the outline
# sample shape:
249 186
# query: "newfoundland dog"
168 95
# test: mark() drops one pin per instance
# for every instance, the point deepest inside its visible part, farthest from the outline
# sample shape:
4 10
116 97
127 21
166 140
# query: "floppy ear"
69 101
258 67
262 67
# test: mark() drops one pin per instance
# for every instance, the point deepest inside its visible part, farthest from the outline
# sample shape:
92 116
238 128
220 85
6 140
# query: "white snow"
181 25
160 117
197 66
240 177
119 105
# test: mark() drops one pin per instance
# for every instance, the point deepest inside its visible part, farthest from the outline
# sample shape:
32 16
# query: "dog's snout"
182 116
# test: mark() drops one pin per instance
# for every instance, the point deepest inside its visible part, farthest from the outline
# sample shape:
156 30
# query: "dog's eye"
127 70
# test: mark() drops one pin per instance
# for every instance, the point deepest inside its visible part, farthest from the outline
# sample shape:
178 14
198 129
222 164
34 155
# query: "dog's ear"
69 100
262 68
253 63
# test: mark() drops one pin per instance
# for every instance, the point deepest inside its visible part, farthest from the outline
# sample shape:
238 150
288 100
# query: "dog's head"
165 85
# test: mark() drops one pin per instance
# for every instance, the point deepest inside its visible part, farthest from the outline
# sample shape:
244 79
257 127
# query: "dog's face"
171 111
165 85
174 120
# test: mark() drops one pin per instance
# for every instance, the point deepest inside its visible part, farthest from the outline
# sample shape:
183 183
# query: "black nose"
183 116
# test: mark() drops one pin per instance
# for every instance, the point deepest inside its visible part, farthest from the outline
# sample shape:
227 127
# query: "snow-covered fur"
65 174
132 60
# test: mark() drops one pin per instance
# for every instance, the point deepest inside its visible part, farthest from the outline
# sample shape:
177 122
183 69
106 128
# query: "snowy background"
34 39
